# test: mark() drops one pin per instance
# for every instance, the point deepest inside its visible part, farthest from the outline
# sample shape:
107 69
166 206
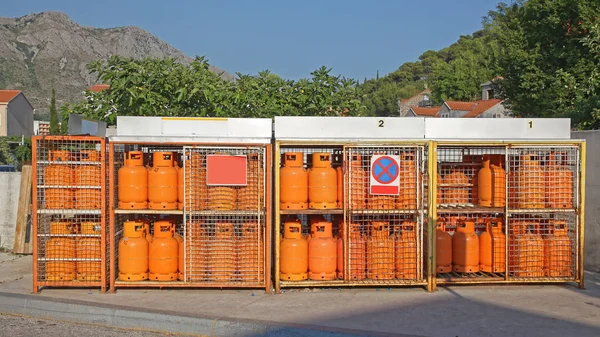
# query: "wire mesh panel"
471 208
542 247
543 177
69 211
225 232
543 227
385 202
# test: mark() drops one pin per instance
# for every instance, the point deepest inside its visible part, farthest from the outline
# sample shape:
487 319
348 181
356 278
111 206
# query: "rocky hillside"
45 50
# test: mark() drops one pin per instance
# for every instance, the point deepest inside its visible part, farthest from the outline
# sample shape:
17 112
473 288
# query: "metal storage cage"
531 208
223 225
379 235
69 212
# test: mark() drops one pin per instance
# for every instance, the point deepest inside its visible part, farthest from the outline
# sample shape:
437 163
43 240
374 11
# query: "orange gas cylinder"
59 180
86 176
529 183
293 182
357 253
498 186
492 248
406 251
465 248
526 250
457 190
163 253
484 184
558 258
340 186
380 252
162 182
559 184
221 256
439 190
358 183
196 259
132 180
293 259
89 248
250 254
59 249
180 255
322 182
250 197
195 182
408 181
221 198
322 249
443 251
133 252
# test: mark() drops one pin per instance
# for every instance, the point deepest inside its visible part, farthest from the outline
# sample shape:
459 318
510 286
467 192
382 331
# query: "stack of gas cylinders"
74 251
318 188
162 185
146 256
537 247
378 255
73 185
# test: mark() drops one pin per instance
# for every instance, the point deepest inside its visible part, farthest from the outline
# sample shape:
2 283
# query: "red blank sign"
224 170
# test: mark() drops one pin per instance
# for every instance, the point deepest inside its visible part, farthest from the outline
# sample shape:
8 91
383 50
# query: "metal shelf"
383 211
542 210
183 284
71 187
71 235
470 278
148 211
470 209
311 211
70 211
45 259
68 162
351 283
225 213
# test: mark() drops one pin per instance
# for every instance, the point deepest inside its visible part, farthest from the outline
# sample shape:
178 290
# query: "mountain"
45 50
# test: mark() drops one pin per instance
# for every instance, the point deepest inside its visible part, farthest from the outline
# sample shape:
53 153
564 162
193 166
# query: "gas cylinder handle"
290 156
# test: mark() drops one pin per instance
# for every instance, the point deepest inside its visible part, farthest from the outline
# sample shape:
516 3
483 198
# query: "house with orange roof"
426 112
491 108
16 114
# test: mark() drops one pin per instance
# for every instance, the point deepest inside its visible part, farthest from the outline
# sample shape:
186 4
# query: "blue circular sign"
385 170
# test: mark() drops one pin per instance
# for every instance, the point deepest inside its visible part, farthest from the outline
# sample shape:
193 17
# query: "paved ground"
19 326
550 310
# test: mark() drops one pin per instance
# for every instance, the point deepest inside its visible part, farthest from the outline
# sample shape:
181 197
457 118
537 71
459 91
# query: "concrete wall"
592 198
19 117
10 183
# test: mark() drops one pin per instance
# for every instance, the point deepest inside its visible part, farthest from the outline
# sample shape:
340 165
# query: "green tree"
54 127
164 87
550 58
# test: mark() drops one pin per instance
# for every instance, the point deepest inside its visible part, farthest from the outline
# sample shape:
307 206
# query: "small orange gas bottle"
465 248
133 252
492 248
484 178
443 248
293 182
132 182
322 249
380 252
162 182
406 251
293 257
322 182
358 183
163 253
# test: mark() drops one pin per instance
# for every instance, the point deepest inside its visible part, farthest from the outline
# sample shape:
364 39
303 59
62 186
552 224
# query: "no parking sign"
385 175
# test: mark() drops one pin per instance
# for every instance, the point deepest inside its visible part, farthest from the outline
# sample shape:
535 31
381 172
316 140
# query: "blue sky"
291 38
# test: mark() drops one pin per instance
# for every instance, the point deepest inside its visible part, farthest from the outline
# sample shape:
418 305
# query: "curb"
163 321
